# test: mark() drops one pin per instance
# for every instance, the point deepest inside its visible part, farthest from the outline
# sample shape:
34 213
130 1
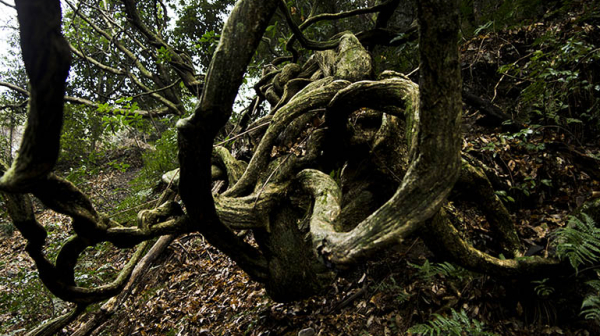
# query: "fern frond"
457 325
428 270
579 241
595 284
590 308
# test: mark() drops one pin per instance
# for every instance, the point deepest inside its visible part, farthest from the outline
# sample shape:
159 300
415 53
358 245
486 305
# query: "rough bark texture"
443 238
240 37
39 150
435 151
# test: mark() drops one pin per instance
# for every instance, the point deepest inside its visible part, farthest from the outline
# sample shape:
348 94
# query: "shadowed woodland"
382 167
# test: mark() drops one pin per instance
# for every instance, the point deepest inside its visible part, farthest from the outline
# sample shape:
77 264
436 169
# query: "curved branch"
306 43
435 145
480 189
182 65
81 101
235 168
241 36
40 26
143 70
327 204
443 237
298 35
315 95
252 211
336 16
109 308
154 93
60 279
15 88
96 62
7 4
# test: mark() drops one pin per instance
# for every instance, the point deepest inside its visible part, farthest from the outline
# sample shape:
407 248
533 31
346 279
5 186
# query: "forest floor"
193 289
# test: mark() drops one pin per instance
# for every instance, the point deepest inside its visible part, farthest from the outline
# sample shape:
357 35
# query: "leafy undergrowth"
24 301
196 290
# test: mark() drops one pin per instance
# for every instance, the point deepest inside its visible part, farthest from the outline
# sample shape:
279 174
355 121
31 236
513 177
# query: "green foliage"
579 241
429 270
336 175
590 308
484 27
560 87
458 324
513 12
162 159
120 166
31 301
82 133
542 289
504 196
208 41
164 56
156 162
121 116
390 285
520 139
198 18
84 168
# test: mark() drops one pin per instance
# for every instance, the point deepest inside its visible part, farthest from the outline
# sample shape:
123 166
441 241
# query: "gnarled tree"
345 164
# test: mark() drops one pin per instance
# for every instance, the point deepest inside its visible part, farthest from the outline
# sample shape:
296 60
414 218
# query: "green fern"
590 308
542 289
459 324
446 269
579 241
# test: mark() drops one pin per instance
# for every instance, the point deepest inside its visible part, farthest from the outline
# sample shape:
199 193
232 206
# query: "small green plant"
121 116
336 175
156 162
208 42
542 289
446 269
458 324
579 241
590 308
390 285
120 166
504 196
31 301
164 56
560 89
526 186
522 138
484 27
